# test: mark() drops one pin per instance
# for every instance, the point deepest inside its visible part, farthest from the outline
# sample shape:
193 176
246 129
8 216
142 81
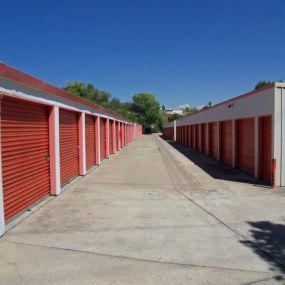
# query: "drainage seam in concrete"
136 259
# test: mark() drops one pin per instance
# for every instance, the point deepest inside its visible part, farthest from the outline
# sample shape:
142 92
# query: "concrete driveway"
151 215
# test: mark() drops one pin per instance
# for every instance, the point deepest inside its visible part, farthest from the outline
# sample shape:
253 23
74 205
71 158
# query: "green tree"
262 83
163 108
89 92
100 97
193 110
174 117
147 109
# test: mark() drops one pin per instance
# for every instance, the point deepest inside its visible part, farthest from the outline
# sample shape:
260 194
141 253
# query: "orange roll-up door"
90 141
69 145
204 138
226 141
213 140
103 144
266 145
246 144
197 137
111 136
189 135
25 154
117 135
192 136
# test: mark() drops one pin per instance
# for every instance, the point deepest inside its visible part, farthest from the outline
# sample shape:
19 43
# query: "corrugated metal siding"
25 150
226 141
266 146
102 138
246 144
213 139
90 141
69 145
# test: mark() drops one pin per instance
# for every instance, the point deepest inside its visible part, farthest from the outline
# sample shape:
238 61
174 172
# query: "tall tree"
147 109
89 92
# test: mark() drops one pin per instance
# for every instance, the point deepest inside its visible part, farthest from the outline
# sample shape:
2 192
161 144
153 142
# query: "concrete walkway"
149 215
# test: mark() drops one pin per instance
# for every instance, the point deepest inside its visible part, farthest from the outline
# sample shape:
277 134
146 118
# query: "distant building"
173 111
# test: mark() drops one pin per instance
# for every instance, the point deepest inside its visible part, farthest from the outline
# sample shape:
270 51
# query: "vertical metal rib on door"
69 145
25 154
90 141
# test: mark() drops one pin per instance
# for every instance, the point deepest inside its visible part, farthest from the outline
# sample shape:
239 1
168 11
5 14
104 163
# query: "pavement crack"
135 258
260 280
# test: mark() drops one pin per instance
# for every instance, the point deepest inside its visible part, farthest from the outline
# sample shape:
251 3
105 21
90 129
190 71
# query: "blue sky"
184 52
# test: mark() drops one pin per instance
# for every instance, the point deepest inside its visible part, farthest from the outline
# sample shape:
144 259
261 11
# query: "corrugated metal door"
266 138
117 135
90 141
25 151
69 145
102 138
197 137
189 135
213 139
246 144
204 138
111 137
177 134
192 136
226 141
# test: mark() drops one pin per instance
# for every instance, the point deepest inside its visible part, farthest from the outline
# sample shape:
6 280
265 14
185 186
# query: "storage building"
48 138
247 132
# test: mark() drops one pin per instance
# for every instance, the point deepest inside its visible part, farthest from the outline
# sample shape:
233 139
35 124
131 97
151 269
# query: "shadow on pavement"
216 169
268 241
